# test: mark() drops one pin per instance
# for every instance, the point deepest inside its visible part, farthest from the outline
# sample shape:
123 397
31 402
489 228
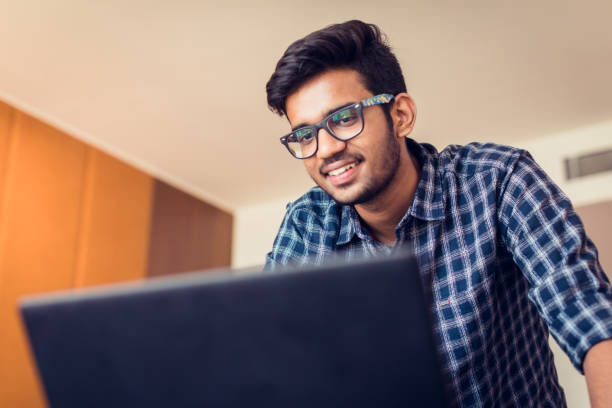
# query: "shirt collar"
428 203
349 225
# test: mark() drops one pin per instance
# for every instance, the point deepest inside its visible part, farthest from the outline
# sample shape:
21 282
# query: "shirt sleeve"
549 244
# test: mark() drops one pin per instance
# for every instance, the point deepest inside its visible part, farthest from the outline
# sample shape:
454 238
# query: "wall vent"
587 164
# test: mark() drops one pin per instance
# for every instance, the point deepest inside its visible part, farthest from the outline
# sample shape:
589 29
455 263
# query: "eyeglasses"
343 124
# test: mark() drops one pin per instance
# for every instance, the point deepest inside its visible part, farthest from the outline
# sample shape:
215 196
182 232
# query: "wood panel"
73 216
6 121
114 221
186 233
38 239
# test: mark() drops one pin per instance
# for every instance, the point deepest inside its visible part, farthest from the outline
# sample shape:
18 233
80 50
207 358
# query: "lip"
345 177
338 164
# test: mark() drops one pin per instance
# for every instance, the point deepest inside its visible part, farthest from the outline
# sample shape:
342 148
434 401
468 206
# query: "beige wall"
597 219
255 226
254 231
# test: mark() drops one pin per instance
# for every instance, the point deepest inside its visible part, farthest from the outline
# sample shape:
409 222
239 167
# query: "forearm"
598 372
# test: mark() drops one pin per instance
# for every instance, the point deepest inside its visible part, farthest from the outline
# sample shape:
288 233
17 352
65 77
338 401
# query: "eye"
345 117
301 136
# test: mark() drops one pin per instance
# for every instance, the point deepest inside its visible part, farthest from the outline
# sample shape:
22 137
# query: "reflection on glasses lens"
302 142
344 118
343 124
302 136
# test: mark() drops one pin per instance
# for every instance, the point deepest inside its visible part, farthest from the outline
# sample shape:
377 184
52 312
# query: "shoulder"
315 204
310 227
314 217
474 158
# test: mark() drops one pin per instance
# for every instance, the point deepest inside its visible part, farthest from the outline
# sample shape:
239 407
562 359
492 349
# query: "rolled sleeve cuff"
583 323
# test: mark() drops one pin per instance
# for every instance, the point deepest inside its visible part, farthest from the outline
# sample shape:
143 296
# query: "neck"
385 211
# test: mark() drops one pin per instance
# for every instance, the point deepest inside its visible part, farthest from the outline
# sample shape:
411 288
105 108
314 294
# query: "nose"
328 145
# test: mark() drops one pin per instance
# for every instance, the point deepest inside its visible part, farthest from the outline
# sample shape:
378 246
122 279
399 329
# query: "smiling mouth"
342 169
345 175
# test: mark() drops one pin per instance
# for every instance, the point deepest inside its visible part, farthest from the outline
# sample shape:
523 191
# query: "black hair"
353 44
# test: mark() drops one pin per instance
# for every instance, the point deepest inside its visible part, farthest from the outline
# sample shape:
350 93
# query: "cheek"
311 167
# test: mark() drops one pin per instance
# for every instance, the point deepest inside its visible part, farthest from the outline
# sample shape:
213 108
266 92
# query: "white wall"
254 231
550 152
255 227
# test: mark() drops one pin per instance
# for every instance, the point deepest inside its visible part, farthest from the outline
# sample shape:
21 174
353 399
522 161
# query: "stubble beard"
378 183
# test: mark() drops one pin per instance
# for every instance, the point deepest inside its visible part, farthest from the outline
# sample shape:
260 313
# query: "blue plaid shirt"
505 257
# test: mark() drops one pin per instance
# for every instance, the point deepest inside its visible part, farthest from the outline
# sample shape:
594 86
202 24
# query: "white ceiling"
177 88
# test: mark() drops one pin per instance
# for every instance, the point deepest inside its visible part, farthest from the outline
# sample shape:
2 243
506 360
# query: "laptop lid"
340 335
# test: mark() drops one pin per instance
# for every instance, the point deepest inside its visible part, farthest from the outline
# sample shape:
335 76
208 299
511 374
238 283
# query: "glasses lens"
302 142
346 123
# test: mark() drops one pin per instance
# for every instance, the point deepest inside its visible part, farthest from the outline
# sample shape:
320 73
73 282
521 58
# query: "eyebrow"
329 112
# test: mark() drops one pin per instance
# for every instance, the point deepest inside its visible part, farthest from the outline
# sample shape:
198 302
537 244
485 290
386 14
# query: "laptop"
337 335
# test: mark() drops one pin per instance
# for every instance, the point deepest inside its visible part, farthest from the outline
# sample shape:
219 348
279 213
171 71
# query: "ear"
403 113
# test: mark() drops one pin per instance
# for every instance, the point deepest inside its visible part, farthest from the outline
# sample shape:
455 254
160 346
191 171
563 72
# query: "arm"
289 245
548 243
598 372
287 238
308 233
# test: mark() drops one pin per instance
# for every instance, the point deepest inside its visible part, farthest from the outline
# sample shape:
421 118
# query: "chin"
349 195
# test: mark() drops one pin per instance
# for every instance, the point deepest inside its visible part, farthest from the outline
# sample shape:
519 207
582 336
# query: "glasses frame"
371 101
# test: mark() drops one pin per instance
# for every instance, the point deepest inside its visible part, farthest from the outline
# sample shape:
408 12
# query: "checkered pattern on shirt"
504 256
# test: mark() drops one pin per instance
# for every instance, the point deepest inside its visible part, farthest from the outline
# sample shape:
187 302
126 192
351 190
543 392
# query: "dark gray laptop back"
355 335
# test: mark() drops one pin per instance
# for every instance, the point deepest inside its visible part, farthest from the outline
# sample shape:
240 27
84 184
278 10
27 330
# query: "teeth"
341 169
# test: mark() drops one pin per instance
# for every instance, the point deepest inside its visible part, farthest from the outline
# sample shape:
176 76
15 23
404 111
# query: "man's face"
353 171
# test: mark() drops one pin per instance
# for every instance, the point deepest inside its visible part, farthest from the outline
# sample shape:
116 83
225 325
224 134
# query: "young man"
498 244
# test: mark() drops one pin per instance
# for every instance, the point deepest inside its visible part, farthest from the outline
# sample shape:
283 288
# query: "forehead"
312 101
